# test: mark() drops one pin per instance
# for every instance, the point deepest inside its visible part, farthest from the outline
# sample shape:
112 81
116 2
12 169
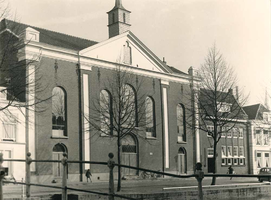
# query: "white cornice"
44 50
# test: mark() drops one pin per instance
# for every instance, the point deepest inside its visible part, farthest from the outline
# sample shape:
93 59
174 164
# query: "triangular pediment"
126 49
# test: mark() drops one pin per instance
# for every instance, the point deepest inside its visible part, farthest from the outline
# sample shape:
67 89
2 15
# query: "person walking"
88 174
230 171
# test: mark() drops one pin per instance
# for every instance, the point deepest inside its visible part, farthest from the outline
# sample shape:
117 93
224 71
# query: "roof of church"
49 37
255 111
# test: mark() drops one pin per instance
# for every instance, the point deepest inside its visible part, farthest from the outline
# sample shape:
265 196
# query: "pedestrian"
230 171
88 174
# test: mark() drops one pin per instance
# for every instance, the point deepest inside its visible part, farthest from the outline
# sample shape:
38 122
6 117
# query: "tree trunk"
119 168
214 163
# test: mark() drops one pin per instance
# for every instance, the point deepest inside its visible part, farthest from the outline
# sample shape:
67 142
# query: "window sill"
8 140
181 142
59 137
151 138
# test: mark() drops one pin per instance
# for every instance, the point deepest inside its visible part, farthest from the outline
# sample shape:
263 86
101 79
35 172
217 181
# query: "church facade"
71 74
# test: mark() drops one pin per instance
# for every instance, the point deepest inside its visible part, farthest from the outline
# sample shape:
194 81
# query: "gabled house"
231 122
259 132
72 72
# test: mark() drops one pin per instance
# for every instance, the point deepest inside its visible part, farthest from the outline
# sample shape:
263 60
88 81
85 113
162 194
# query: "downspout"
78 70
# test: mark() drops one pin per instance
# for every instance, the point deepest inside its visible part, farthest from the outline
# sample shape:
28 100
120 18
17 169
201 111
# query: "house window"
229 151
259 160
210 131
223 132
223 151
223 162
265 137
229 134
241 151
235 132
241 161
210 152
235 151
9 129
224 107
241 132
229 161
105 113
181 129
235 161
59 114
258 137
150 117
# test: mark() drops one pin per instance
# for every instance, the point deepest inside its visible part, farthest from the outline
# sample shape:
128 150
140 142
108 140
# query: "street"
130 186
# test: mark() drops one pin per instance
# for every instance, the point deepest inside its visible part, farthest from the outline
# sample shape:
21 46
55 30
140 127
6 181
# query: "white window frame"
223 132
234 132
14 125
210 128
224 107
235 161
241 133
241 151
229 133
235 151
212 152
229 151
223 155
265 136
258 136
241 161
229 159
223 161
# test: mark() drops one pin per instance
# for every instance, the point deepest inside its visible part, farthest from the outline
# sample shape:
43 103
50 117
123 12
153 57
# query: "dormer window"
224 107
267 116
31 34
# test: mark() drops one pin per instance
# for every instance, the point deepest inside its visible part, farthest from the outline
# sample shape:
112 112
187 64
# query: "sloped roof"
176 71
207 98
49 37
255 111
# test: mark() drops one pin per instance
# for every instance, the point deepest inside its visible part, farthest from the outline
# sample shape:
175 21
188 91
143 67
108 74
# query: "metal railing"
199 175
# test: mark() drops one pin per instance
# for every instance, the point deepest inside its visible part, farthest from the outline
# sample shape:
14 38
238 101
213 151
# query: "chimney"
230 91
191 71
237 93
164 60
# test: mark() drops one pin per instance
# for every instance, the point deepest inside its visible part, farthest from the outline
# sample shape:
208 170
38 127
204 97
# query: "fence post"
199 177
64 177
28 175
2 173
111 165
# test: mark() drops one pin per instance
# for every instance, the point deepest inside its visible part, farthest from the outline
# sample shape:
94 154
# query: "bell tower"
118 19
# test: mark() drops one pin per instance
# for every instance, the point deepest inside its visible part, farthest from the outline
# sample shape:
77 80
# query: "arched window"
150 117
181 129
124 18
182 161
105 113
113 18
59 114
128 107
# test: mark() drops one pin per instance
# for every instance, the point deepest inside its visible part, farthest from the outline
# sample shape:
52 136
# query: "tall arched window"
150 117
181 129
113 18
128 107
59 114
105 113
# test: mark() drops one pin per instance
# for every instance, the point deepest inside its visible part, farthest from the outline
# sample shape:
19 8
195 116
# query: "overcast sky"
179 30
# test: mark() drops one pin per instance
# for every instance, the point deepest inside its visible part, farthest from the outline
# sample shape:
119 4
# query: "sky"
182 31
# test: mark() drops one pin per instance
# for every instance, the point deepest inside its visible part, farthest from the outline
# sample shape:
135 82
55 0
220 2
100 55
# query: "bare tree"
120 109
217 106
19 79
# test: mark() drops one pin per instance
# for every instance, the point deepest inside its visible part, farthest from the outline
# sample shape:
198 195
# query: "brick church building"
69 74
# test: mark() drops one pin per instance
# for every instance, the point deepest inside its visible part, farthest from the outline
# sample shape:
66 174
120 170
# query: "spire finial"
118 3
